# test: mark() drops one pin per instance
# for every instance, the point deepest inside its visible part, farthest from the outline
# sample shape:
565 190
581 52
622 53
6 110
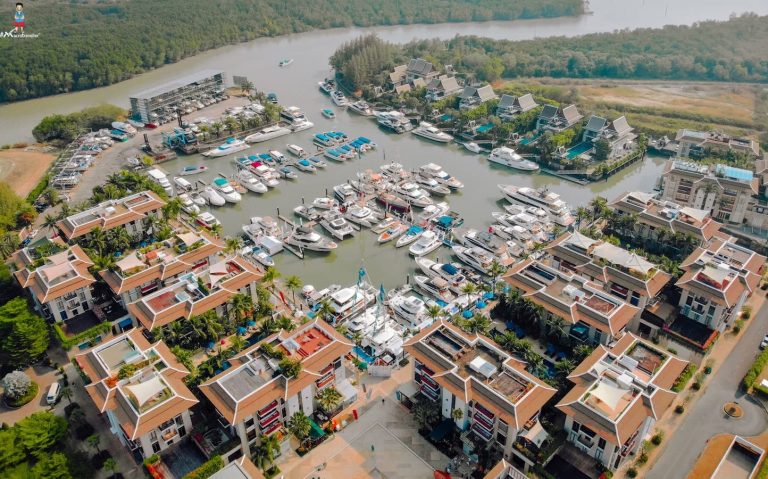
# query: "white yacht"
433 170
475 257
413 195
268 133
344 192
161 179
181 183
427 243
385 224
412 234
323 203
521 236
250 182
450 272
557 209
349 302
361 108
336 225
431 185
326 86
207 220
472 147
296 150
293 115
431 132
301 125
267 224
338 98
482 239
392 232
305 238
225 190
264 173
277 156
232 145
212 196
309 213
435 287
187 205
393 120
429 212
361 215
410 311
365 322
508 157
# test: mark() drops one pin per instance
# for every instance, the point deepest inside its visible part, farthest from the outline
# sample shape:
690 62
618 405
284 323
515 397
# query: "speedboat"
263 257
308 213
323 140
207 220
473 147
453 273
212 196
413 195
317 162
328 113
474 257
384 224
197 199
232 145
225 190
181 184
250 182
361 215
301 125
272 98
427 243
431 185
508 157
192 170
410 309
323 203
433 170
267 224
336 225
413 233
335 155
556 208
296 150
395 230
344 193
338 98
268 133
285 62
393 203
305 166
287 173
361 108
305 238
277 156
430 132
326 86
187 205
435 287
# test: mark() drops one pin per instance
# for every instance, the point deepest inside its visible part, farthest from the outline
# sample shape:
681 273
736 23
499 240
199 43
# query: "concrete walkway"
706 418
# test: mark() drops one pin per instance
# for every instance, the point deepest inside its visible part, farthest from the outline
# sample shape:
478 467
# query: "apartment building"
500 401
558 119
139 388
143 271
655 216
618 394
196 292
254 397
696 144
717 281
130 212
56 277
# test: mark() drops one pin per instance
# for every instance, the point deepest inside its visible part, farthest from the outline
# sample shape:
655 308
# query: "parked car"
764 342
54 393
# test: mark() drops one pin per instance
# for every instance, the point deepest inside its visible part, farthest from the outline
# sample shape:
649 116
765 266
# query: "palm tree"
457 414
581 214
217 229
478 324
237 343
270 276
93 440
9 243
97 239
326 311
172 209
469 289
240 306
564 367
268 326
434 312
102 262
216 126
557 327
49 222
66 393
357 338
111 466
329 399
204 130
599 207
342 329
266 452
299 425
495 270
247 86
233 244
230 124
293 283
405 335
285 323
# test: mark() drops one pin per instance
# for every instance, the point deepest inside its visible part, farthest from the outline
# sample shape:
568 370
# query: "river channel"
297 85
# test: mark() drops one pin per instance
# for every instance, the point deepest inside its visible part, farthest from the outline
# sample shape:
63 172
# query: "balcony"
269 408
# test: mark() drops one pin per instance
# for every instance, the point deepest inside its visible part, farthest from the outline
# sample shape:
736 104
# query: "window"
153 436
601 443
249 423
635 299
182 431
689 300
575 427
155 447
179 420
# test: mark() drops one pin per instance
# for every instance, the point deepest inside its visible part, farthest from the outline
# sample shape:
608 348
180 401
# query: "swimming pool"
734 173
362 355
578 150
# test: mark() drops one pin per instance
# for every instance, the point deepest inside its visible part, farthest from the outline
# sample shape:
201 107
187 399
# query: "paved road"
707 419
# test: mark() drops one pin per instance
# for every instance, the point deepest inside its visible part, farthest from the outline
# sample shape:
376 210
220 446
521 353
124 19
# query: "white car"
764 342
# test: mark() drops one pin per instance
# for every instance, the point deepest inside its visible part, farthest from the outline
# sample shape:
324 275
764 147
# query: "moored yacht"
557 209
427 243
335 224
412 234
435 287
207 220
344 192
453 273
232 145
305 165
225 190
323 203
212 197
349 302
268 133
410 311
510 158
393 231
296 150
187 205
431 185
250 182
433 170
394 120
482 239
338 98
475 257
361 215
431 132
413 194
326 86
361 108
305 238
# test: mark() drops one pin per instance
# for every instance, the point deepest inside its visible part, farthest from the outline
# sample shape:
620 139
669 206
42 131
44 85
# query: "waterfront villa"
196 292
130 212
441 87
654 216
618 394
558 119
510 106
618 133
253 397
417 73
141 272
139 388
500 401
716 282
471 96
56 278
697 144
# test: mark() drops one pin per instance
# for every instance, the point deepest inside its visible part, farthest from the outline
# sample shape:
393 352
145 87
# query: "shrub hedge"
207 469
68 342
756 369
684 377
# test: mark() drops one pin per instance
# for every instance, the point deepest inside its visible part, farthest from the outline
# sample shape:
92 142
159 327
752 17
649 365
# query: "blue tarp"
467 314
480 304
364 139
241 331
449 268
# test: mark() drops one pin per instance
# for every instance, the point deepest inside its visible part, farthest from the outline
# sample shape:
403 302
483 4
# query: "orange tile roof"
71 265
127 209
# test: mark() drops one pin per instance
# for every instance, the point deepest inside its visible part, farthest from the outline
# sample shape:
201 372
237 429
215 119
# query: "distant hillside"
84 45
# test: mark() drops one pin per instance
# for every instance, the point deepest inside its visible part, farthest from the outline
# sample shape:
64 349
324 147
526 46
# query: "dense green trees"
99 43
712 51
32 440
14 211
67 127
24 334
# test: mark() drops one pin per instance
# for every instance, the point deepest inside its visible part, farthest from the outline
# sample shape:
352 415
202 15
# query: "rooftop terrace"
569 290
249 377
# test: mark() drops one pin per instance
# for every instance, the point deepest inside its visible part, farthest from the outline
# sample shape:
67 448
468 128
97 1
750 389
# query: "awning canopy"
147 390
536 435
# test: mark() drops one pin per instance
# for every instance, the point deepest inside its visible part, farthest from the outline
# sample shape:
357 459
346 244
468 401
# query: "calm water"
297 85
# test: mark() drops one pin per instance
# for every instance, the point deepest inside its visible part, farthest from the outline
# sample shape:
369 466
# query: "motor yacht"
301 125
412 234
308 213
413 195
410 311
296 150
433 170
435 287
207 220
508 157
305 238
482 239
192 170
556 208
394 203
365 322
392 232
287 173
361 215
521 236
361 108
317 162
187 205
474 257
277 156
431 186
384 224
305 165
326 86
250 182
344 193
472 147
232 145
285 62
339 99
328 113
347 303
335 155
394 121
427 243
159 177
262 257
430 212
264 173
323 140
268 133
267 224
181 184
225 190
212 196
430 132
323 203
335 224
197 199
453 273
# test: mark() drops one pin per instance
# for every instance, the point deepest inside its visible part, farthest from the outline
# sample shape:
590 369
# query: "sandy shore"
22 169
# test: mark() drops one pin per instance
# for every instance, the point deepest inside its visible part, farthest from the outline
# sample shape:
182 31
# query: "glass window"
182 431
601 443
155 447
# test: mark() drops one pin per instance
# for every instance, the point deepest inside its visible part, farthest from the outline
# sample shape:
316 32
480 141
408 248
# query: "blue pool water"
735 173
577 150
362 355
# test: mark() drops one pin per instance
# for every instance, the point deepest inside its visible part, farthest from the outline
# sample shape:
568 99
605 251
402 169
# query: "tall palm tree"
240 306
581 214
216 126
237 343
357 338
469 289
599 205
495 270
233 244
230 124
267 451
204 130
329 399
97 239
326 311
49 222
285 323
293 283
270 276
434 312
172 209
217 229
247 86
9 242
102 262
